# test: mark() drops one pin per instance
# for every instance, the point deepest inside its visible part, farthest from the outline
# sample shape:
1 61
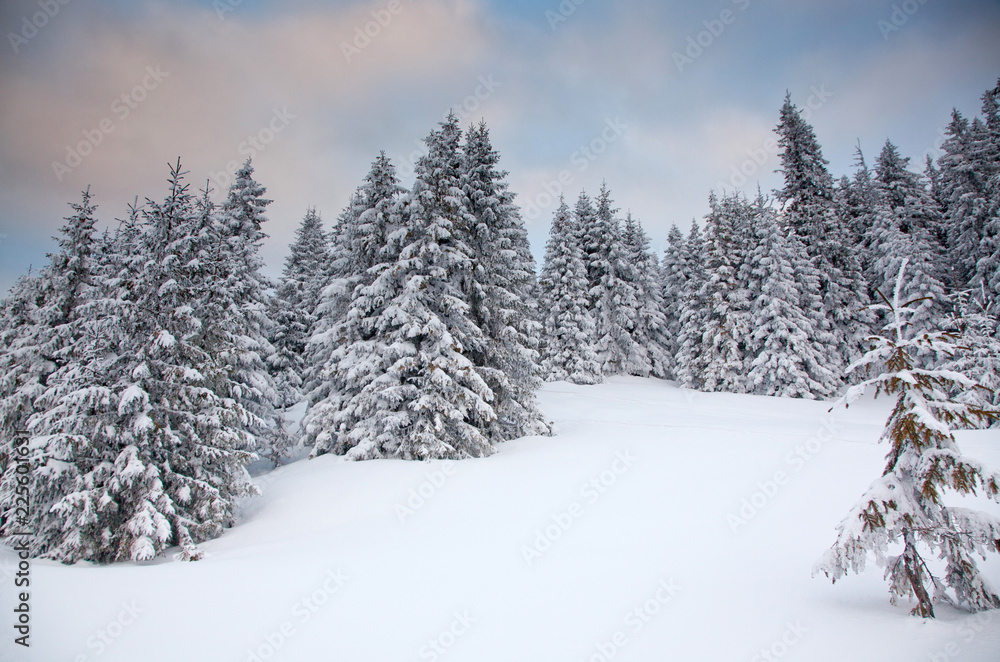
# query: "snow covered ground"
659 524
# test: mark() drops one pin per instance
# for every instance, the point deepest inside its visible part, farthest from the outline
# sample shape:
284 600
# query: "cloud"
354 78
220 82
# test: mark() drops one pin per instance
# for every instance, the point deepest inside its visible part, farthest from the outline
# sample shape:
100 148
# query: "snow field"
659 524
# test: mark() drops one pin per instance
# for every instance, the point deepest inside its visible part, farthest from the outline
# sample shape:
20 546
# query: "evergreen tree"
650 331
500 290
235 318
963 179
724 323
987 274
979 333
37 329
907 195
338 280
812 210
597 234
614 296
21 366
141 436
906 219
359 241
568 327
293 307
785 359
44 327
859 198
905 505
690 353
934 189
405 386
674 273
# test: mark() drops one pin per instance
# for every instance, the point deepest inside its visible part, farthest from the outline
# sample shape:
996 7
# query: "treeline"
772 295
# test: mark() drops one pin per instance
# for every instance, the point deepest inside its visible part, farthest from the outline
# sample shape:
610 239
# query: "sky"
665 101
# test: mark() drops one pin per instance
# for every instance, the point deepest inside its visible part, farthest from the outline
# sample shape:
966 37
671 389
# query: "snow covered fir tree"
151 364
567 321
431 354
139 378
906 505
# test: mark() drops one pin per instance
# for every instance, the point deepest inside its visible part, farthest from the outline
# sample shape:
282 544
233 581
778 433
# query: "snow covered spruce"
905 506
135 365
427 343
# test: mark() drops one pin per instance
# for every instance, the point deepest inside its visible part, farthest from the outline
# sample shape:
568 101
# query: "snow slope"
620 538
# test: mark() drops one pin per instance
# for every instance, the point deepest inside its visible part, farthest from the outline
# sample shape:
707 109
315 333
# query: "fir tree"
597 234
358 242
785 358
963 182
905 505
614 297
812 210
859 198
987 273
724 323
117 474
979 333
21 366
149 424
293 307
337 281
405 386
650 330
906 220
235 319
907 195
674 273
568 327
45 327
500 290
690 353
